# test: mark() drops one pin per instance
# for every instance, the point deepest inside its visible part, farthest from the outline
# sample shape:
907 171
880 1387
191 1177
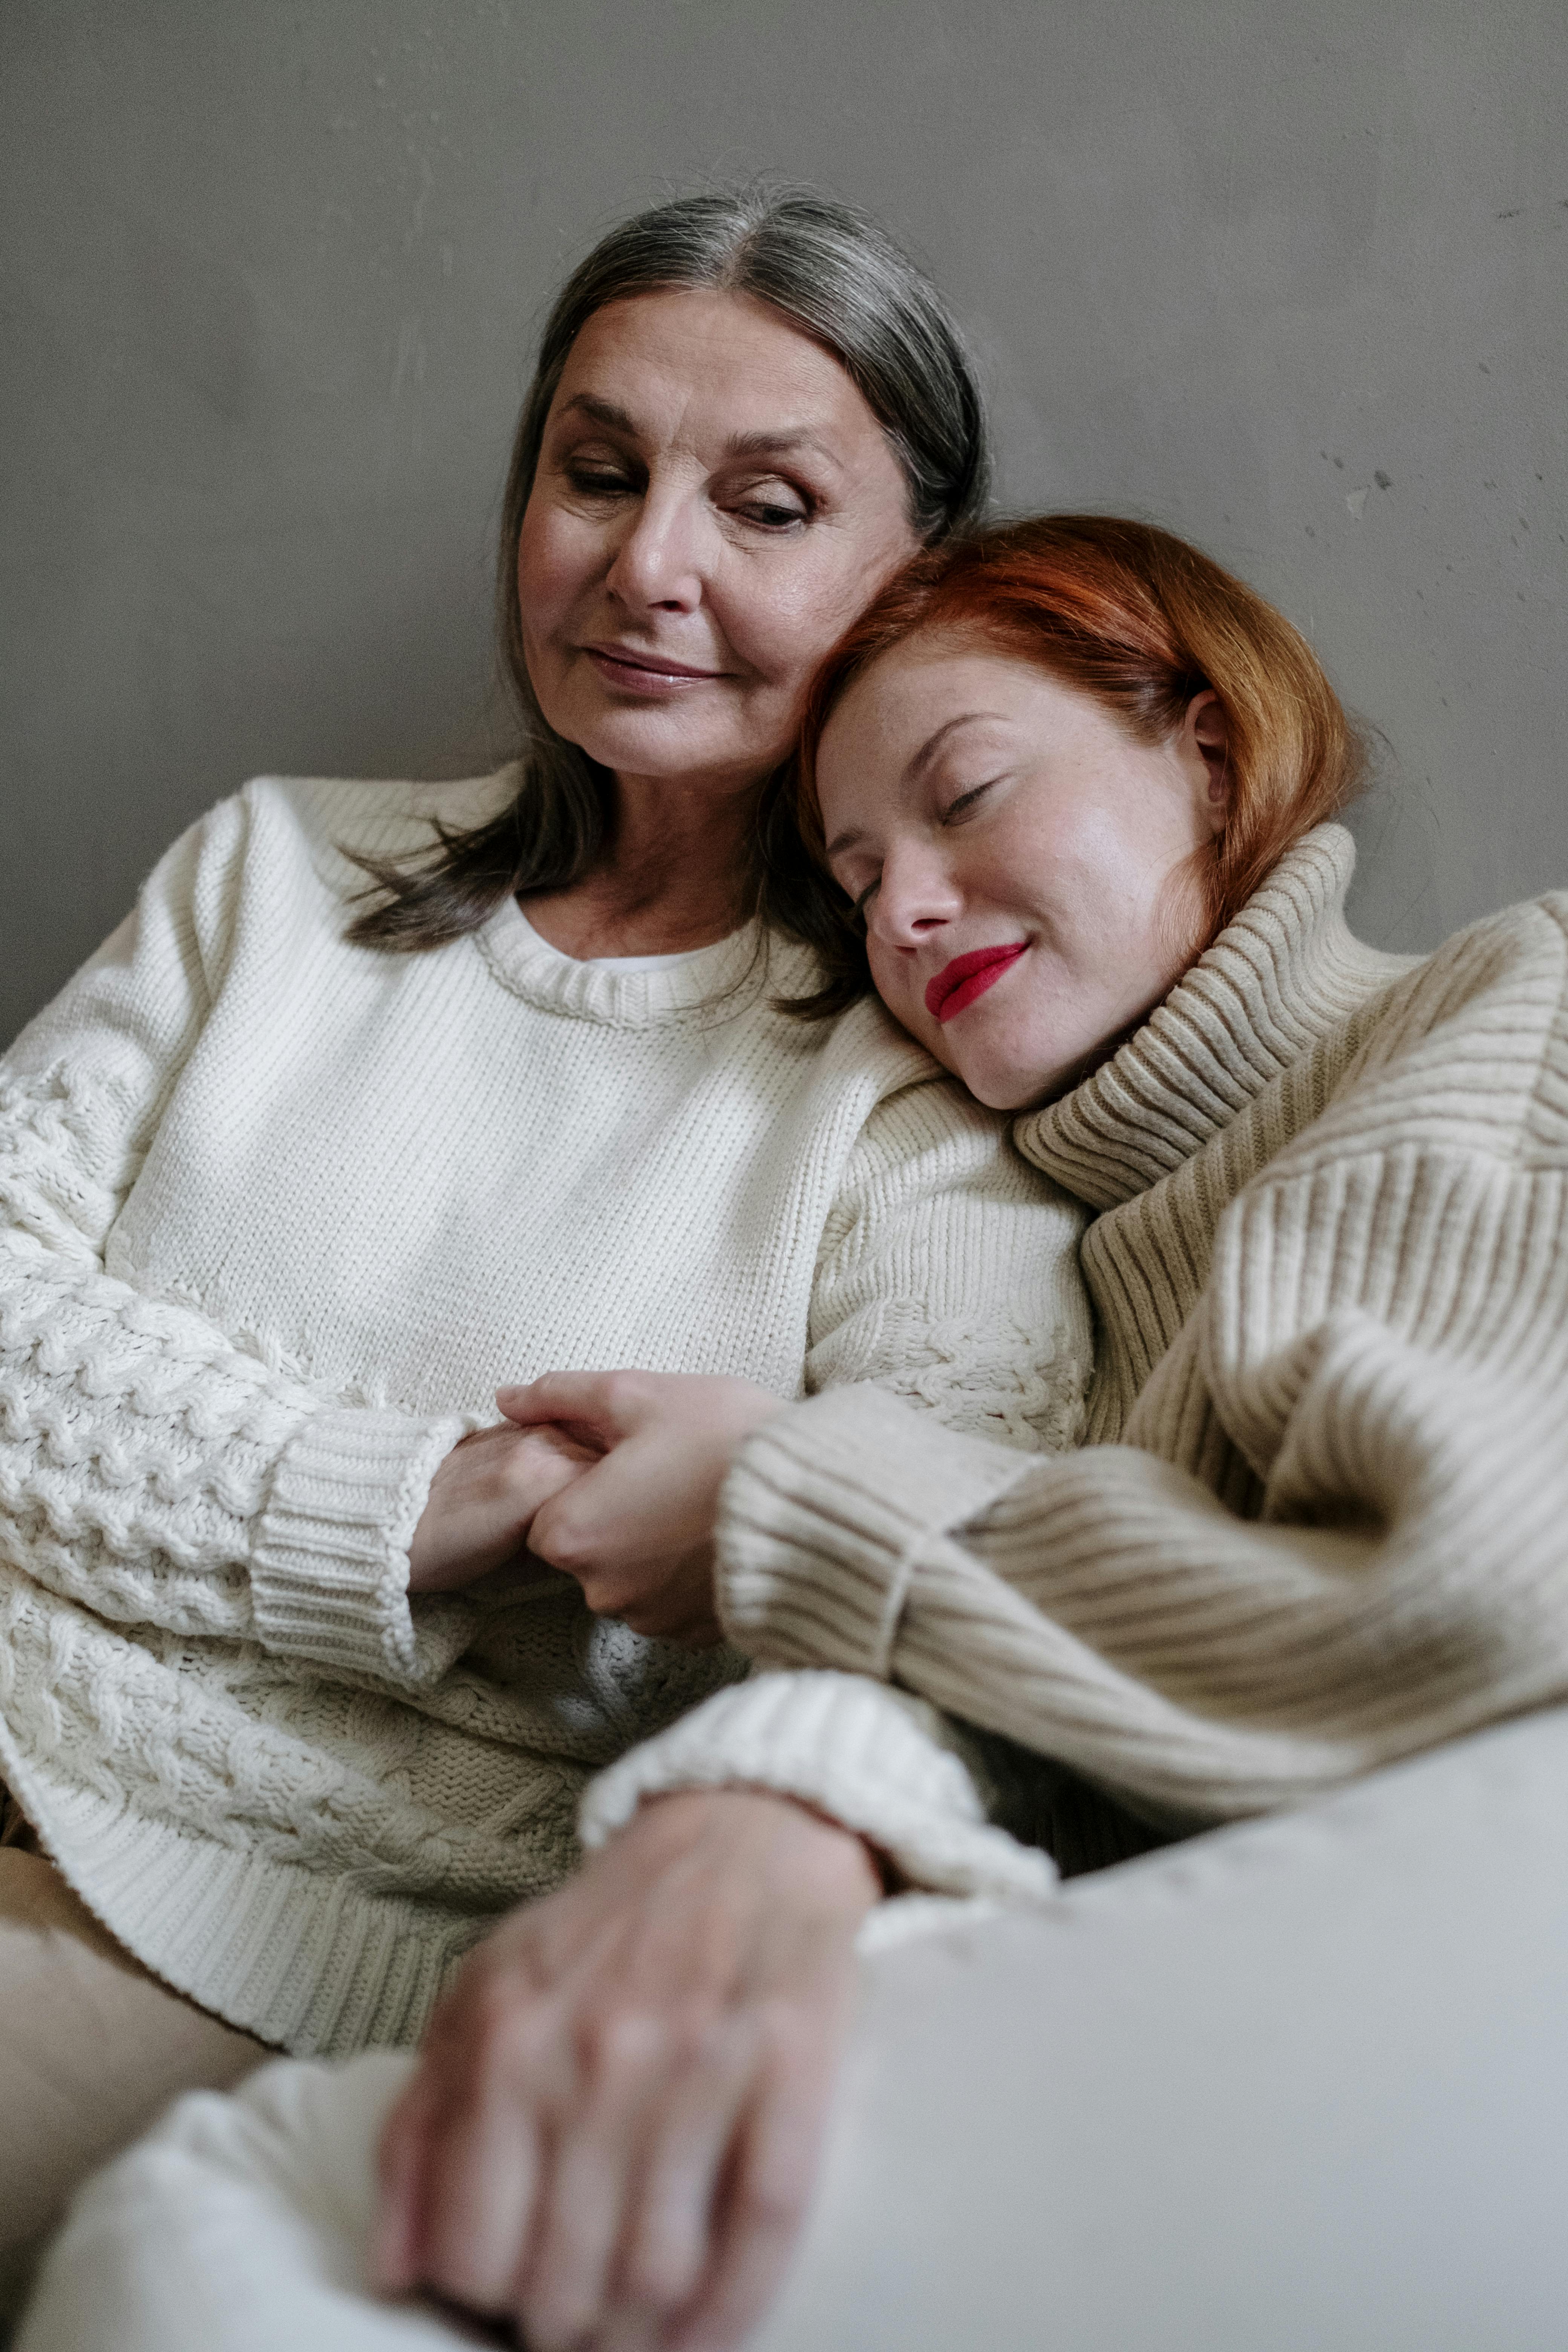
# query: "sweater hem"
311 1965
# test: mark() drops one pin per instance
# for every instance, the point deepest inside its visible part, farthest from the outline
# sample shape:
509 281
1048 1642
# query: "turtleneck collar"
1282 975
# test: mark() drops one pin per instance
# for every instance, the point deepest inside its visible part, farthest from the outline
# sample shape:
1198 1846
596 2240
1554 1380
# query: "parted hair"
1143 621
838 276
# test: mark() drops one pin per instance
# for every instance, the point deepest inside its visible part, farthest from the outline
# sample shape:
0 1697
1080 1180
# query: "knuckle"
697 2035
616 2045
569 1544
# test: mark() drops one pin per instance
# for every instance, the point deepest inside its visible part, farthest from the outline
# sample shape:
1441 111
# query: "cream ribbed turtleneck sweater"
277 1214
1321 1520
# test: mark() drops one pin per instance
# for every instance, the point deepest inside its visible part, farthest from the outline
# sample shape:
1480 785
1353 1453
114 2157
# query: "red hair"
1143 622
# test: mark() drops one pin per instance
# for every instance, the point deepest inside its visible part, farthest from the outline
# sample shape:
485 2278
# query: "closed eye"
957 810
761 504
599 481
771 518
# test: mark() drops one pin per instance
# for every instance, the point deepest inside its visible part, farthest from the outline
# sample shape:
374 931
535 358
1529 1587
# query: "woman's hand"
483 1500
612 2130
637 1531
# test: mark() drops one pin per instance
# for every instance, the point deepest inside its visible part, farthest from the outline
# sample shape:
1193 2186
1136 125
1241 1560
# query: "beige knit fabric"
277 1214
1323 1517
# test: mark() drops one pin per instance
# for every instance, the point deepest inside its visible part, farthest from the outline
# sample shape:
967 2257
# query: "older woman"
286 1717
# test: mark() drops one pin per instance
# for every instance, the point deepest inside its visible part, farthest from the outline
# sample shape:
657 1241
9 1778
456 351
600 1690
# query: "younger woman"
1081 784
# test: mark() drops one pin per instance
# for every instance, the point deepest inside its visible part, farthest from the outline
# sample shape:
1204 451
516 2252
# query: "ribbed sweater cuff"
823 1518
329 1571
881 1763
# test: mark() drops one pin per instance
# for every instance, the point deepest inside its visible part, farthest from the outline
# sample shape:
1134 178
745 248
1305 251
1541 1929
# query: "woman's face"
714 503
1017 854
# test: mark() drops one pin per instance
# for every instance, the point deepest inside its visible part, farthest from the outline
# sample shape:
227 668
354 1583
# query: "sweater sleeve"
1382 1341
948 1279
948 1276
153 1469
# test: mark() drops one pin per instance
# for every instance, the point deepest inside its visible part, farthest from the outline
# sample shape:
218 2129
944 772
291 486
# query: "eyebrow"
933 743
767 443
852 835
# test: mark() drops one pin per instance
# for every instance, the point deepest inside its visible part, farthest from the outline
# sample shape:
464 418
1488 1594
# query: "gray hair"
840 277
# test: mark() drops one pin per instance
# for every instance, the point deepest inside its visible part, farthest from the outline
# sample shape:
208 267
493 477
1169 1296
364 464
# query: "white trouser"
1300 2087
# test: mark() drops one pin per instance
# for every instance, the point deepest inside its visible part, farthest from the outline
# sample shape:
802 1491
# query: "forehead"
917 685
869 754
690 359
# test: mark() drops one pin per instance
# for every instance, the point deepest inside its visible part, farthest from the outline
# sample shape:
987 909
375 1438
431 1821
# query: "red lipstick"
958 983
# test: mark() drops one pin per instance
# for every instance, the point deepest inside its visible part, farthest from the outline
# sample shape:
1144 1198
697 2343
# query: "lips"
958 983
624 665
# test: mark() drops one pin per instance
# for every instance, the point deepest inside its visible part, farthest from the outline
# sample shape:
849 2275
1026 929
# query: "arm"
949 1272
152 1469
948 1275
1401 1582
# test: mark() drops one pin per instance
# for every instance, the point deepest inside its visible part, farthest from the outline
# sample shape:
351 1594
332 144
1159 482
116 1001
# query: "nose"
656 564
915 897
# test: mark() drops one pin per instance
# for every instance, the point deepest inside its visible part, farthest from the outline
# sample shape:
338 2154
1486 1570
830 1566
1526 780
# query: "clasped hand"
612 1476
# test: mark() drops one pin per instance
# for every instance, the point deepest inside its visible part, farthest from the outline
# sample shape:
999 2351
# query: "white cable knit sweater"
277 1215
1321 1520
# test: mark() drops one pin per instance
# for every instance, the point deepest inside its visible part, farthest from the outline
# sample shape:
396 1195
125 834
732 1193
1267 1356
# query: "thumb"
605 1403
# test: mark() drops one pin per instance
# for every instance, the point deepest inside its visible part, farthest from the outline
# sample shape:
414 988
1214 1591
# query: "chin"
643 743
1013 1089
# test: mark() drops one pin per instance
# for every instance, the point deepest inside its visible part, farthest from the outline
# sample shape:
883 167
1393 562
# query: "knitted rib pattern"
1319 1523
277 1215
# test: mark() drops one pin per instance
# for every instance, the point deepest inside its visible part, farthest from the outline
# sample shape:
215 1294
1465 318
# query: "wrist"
838 1862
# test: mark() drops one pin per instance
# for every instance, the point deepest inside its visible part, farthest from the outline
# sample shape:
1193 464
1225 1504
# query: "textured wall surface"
1293 280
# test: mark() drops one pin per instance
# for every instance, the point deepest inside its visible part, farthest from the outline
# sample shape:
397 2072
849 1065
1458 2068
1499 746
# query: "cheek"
554 563
894 978
786 615
769 623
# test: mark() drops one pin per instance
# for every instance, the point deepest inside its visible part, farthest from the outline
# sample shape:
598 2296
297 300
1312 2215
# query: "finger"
667 2246
763 2204
563 2290
585 1526
600 1401
480 2172
393 2251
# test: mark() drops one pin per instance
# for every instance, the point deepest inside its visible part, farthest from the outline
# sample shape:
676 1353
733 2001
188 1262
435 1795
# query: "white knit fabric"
277 1215
1319 1523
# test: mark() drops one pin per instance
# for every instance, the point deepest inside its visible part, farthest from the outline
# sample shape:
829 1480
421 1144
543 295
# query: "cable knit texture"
277 1215
1319 1521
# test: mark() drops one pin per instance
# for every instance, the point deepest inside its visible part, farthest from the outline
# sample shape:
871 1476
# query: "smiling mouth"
645 673
958 983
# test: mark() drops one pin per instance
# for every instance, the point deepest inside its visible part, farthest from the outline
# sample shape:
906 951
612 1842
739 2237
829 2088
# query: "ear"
1205 739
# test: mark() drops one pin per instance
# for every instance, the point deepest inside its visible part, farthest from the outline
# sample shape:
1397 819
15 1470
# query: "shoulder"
1501 982
920 1125
331 820
1467 1053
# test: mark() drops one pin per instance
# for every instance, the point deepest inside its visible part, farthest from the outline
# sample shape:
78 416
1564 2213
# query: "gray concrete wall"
1293 280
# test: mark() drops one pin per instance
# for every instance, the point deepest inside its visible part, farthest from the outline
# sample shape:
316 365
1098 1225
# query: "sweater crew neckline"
711 983
1287 972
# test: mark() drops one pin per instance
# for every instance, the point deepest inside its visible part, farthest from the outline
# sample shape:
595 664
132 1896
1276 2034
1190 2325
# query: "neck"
673 874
